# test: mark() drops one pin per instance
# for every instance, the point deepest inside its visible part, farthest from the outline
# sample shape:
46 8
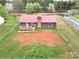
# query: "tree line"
42 5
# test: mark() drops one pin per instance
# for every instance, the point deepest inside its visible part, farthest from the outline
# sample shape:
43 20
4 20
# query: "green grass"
7 31
40 51
7 45
7 48
41 29
4 29
7 26
76 17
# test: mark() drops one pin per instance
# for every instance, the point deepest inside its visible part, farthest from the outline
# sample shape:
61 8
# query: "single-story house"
27 22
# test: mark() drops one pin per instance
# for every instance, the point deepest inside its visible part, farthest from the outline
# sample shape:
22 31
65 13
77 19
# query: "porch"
27 26
32 26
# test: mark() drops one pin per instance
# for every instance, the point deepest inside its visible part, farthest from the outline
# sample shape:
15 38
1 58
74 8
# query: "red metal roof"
33 18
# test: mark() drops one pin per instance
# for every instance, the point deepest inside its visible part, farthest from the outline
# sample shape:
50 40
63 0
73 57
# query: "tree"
18 5
33 7
51 7
37 7
2 2
9 6
24 1
50 1
29 7
77 5
32 1
4 12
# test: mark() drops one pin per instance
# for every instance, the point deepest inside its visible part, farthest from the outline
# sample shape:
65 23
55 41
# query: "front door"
39 24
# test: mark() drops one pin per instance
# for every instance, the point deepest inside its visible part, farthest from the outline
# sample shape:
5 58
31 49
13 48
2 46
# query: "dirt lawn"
45 37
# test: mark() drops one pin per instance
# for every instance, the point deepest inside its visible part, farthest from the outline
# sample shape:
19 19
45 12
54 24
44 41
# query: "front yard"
40 43
49 37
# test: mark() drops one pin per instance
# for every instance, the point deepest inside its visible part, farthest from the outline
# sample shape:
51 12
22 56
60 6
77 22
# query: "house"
27 22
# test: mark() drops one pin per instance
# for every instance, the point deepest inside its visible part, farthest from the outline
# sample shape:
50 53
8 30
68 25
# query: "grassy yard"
7 26
76 17
40 50
41 29
7 31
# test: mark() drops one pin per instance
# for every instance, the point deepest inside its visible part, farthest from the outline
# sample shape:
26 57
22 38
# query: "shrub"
4 12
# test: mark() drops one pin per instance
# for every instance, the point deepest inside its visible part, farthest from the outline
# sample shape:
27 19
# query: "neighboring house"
27 22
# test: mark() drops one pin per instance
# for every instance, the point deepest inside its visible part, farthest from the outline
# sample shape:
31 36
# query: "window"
48 25
23 24
32 24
